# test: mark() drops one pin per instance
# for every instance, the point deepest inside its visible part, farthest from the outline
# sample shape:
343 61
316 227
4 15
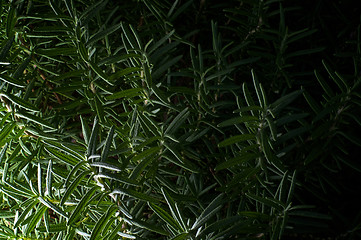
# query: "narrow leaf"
148 226
245 157
102 34
106 166
81 205
99 109
135 194
48 179
53 228
73 186
3 152
68 159
177 121
5 50
40 178
209 211
53 207
328 90
12 81
6 214
5 132
83 52
34 119
93 138
35 219
85 130
20 102
166 217
236 139
100 72
129 93
107 145
25 212
174 209
147 158
104 219
267 201
10 21
117 177
238 120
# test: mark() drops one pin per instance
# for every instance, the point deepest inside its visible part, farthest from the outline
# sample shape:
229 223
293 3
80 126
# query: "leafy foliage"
174 120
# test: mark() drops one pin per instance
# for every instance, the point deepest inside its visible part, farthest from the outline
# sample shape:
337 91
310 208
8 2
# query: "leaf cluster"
175 120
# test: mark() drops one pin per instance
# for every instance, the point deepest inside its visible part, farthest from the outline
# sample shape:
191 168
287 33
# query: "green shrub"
177 120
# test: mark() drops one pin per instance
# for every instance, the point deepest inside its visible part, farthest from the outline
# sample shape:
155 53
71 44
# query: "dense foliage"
159 119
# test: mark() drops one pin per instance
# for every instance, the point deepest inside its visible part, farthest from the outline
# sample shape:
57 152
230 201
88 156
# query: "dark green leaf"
102 34
93 139
238 120
6 214
117 177
177 121
214 207
25 212
35 219
35 119
236 139
166 217
5 49
150 227
70 189
53 207
100 225
5 132
85 130
81 205
12 81
10 22
174 210
20 102
53 228
267 201
129 93
134 194
68 159
245 157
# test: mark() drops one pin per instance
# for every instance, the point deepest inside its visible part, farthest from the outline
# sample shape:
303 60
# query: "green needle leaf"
34 119
68 159
177 121
81 205
209 211
129 93
174 210
93 138
49 179
53 207
166 217
236 139
73 186
25 212
102 34
101 223
12 81
238 120
20 102
35 219
117 177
